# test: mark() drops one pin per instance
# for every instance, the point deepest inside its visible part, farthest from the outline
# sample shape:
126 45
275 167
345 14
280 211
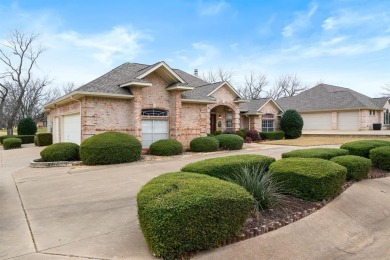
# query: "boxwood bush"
274 135
204 144
186 212
322 153
12 143
225 167
230 142
363 147
43 139
166 147
26 139
380 157
110 148
61 152
357 167
291 124
311 179
27 126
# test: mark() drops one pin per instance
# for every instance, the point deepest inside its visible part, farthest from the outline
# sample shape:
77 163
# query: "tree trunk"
10 131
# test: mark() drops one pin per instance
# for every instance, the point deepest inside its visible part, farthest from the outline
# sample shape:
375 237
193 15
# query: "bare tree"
217 76
386 90
19 57
286 86
254 86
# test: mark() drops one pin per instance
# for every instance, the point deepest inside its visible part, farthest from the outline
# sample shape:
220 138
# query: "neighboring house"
327 107
150 102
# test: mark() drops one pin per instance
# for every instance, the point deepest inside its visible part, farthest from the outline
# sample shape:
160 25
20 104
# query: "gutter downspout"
81 129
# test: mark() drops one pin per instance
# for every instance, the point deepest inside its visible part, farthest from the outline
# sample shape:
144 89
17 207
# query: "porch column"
136 108
175 115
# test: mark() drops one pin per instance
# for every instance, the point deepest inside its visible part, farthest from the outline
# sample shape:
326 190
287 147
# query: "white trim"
198 101
179 88
81 94
273 102
231 88
162 63
135 83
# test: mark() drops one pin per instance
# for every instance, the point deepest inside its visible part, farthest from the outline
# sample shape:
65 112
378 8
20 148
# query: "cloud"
121 42
200 54
301 21
212 8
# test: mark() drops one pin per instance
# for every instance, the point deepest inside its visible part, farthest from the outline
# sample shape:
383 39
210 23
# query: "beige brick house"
154 102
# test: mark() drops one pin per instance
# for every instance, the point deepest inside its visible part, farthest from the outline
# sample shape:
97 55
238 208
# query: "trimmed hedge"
61 152
27 126
362 148
322 153
166 147
380 157
226 167
185 212
204 144
357 166
12 143
275 135
311 179
110 148
26 139
43 139
230 142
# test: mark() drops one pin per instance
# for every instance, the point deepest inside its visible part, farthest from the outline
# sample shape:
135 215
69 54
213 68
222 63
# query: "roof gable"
230 88
163 70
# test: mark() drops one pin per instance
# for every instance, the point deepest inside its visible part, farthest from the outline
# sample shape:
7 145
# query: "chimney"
196 72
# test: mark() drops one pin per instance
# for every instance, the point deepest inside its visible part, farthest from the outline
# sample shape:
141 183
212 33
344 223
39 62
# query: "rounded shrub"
12 143
166 147
291 124
186 212
204 144
225 167
43 139
253 134
322 153
230 142
380 157
61 152
27 126
362 148
311 179
110 148
357 167
240 133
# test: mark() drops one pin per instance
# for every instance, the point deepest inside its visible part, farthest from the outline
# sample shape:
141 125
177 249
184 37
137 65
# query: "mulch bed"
290 210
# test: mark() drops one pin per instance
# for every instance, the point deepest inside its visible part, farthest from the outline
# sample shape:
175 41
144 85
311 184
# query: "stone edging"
38 163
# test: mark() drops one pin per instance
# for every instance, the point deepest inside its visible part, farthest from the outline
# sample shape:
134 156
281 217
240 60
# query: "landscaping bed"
291 210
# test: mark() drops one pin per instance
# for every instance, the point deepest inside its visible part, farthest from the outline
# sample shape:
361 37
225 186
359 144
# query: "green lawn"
40 130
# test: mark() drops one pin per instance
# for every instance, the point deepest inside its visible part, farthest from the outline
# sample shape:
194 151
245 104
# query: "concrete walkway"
91 213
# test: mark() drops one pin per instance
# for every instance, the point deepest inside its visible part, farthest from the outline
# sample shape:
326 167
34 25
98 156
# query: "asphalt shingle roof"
253 105
381 102
327 97
127 72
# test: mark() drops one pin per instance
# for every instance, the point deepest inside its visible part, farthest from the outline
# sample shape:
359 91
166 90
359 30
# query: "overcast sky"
340 42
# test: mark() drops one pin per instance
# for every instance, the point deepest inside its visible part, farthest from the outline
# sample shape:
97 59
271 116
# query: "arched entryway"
223 118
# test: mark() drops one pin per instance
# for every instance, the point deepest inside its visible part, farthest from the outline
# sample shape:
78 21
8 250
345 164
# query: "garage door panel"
154 130
71 130
317 121
348 120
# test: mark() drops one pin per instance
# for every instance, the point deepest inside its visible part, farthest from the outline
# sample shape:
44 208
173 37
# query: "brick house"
153 102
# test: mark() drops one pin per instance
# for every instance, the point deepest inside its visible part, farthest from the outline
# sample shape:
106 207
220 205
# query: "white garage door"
317 121
153 130
71 129
348 120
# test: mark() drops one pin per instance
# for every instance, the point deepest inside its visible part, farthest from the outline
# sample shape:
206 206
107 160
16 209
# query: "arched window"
154 112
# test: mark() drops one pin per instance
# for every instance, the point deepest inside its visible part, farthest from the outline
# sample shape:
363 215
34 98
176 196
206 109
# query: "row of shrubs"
192 210
253 134
40 139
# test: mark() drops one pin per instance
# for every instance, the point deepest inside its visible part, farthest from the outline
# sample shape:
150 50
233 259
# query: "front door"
213 121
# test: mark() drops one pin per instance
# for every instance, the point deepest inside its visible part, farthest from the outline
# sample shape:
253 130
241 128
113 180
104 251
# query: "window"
229 120
267 125
372 112
386 117
154 112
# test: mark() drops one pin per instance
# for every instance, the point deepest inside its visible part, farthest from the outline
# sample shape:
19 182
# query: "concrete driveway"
90 213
